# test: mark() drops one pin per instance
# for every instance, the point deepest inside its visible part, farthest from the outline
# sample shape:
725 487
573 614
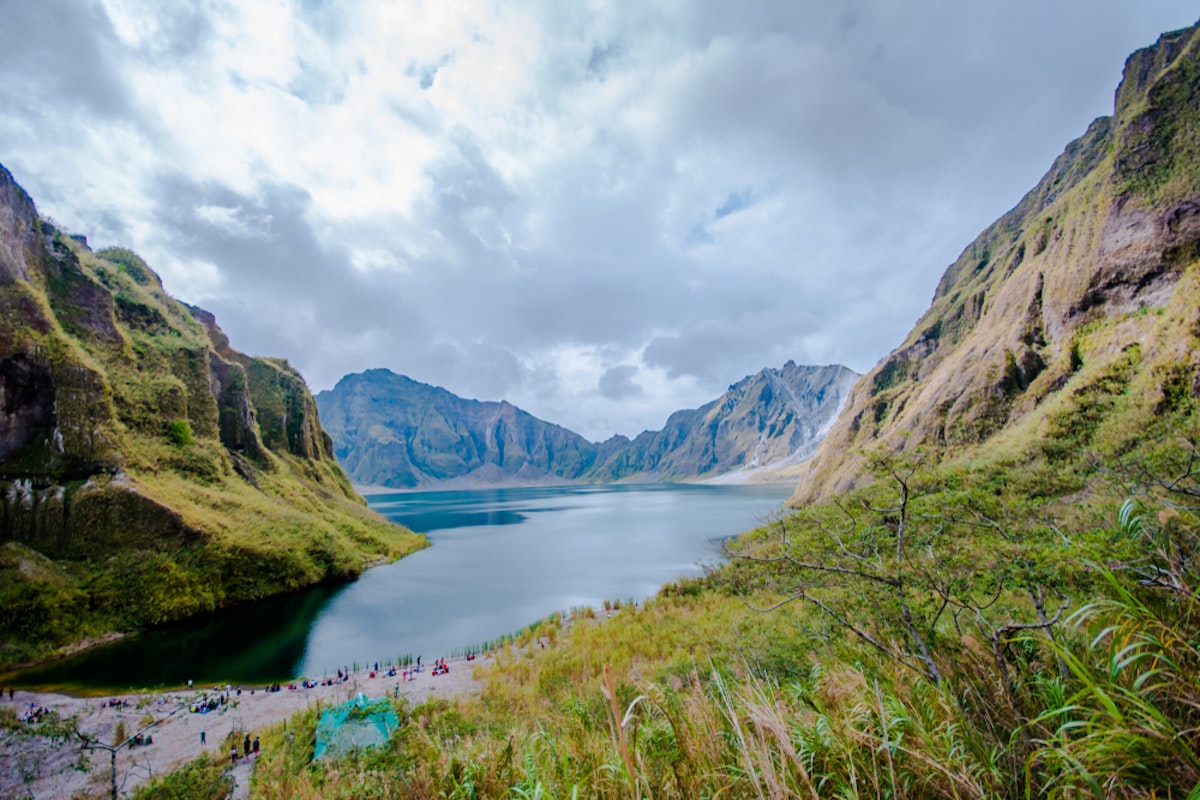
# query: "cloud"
602 213
617 383
60 50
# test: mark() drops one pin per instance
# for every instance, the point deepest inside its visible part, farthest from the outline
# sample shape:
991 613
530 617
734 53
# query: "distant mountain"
389 430
1070 322
772 418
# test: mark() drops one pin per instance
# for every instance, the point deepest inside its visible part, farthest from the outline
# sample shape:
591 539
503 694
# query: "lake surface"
499 560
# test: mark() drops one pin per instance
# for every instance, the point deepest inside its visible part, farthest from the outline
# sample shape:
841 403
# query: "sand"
38 768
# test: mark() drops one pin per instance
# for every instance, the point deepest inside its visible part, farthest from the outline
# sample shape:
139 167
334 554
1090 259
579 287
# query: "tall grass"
695 695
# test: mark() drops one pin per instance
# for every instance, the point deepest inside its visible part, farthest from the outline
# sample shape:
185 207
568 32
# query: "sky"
600 211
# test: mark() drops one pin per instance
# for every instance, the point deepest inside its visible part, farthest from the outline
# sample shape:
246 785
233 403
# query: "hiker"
233 756
202 738
246 745
255 745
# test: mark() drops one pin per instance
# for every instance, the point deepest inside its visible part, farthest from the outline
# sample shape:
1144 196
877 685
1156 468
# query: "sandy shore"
38 768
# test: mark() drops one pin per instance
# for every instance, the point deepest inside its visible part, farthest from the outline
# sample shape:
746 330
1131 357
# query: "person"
246 745
255 745
202 738
233 756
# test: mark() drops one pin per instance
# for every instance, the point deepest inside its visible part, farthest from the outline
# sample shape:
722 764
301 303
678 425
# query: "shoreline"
761 476
12 672
52 764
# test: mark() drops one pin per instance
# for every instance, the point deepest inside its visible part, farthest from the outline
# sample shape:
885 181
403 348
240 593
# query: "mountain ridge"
429 437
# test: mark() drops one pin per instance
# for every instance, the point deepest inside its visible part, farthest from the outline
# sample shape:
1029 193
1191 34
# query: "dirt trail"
41 769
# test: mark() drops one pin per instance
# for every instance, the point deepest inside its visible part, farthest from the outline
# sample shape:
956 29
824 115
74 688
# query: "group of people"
34 713
208 704
248 748
10 693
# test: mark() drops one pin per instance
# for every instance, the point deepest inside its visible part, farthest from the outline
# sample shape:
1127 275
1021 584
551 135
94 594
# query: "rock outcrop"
772 418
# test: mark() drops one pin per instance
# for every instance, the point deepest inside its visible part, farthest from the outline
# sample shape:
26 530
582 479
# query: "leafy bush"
180 433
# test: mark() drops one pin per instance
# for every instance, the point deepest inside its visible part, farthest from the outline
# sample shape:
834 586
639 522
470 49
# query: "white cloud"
603 212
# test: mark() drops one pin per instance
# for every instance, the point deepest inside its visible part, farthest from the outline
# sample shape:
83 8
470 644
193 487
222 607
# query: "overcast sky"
600 211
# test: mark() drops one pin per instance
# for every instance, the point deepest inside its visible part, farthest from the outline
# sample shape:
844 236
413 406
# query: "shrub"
180 433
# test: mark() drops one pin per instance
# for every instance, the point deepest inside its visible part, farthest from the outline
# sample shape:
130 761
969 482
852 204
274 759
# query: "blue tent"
358 722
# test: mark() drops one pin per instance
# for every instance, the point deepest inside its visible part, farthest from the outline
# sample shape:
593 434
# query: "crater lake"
500 559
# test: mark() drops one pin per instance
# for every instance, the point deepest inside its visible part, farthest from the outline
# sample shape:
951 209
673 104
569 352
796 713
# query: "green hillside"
148 472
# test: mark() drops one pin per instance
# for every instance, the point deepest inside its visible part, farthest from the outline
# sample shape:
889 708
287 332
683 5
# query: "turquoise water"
500 559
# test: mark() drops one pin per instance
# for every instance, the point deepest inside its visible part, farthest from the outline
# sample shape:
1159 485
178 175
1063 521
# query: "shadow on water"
428 522
257 643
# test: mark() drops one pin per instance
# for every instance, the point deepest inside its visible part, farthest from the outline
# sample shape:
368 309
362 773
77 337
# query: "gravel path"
38 768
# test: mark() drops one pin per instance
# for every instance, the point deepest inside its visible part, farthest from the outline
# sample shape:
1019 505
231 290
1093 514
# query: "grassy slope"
175 523
695 694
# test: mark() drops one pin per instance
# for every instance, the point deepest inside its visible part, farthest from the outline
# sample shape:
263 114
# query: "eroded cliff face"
771 418
132 433
390 430
1090 276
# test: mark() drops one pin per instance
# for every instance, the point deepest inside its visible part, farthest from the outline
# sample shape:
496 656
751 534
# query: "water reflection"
257 643
501 559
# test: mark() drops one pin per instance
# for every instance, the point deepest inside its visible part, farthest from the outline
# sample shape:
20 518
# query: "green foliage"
1158 154
893 372
179 433
202 779
1076 355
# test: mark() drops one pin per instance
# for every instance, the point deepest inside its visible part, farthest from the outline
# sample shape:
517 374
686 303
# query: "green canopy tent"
358 722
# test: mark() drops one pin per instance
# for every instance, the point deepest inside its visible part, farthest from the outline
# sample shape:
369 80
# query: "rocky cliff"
1072 321
148 471
773 418
389 430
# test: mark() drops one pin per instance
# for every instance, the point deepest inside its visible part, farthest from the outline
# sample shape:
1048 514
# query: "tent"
358 722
